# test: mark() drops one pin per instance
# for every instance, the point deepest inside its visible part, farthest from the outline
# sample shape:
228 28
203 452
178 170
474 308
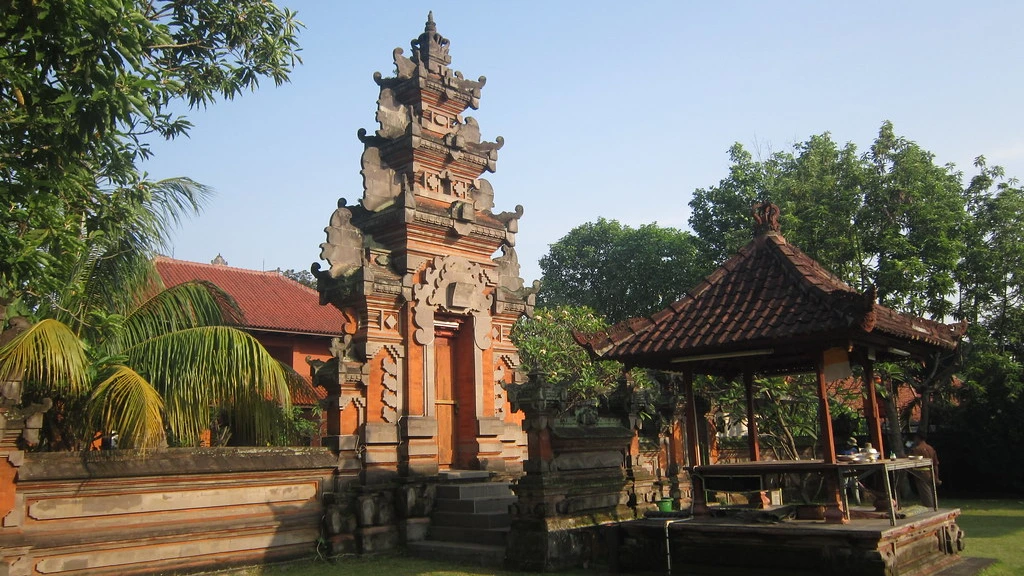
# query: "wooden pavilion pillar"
871 406
753 444
700 506
834 513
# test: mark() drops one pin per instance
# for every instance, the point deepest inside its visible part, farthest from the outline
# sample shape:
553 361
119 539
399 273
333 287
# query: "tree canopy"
84 85
618 271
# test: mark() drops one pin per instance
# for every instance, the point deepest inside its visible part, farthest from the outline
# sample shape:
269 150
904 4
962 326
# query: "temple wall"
119 512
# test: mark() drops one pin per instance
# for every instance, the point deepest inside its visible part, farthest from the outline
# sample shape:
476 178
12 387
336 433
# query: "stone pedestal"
576 480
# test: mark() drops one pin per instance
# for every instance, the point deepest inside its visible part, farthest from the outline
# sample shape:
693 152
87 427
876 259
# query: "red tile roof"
268 300
304 393
767 296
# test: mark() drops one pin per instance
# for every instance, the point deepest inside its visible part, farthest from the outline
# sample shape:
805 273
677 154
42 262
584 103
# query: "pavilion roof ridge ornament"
766 218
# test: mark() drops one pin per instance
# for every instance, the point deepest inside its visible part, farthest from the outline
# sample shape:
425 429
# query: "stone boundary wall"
120 512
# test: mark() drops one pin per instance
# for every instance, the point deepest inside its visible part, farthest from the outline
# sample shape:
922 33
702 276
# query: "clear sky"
608 109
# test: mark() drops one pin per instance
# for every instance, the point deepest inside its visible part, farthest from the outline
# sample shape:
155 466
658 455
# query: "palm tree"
122 353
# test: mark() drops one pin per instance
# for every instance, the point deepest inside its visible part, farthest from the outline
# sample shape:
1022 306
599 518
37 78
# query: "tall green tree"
913 214
819 190
618 271
84 85
720 215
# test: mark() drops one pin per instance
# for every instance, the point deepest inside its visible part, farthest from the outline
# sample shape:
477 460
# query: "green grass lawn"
993 528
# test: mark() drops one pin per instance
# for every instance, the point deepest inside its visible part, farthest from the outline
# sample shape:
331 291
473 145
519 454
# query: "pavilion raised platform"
755 542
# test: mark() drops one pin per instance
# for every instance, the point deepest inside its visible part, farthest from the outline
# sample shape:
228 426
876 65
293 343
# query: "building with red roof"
283 314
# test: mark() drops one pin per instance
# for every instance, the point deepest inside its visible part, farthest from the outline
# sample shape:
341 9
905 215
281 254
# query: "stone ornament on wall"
344 245
391 380
455 285
381 185
483 195
393 116
389 394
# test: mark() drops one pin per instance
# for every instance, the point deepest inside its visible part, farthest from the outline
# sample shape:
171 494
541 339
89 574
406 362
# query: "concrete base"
549 545
413 529
921 545
374 539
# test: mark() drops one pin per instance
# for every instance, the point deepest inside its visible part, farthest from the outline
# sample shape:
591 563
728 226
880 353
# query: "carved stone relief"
393 116
343 248
381 184
508 269
389 393
511 222
499 390
454 285
483 194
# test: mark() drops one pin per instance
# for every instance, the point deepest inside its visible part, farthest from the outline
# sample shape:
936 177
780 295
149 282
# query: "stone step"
471 519
474 554
474 490
465 475
463 535
487 504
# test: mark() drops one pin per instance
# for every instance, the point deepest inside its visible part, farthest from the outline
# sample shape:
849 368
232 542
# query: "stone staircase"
470 522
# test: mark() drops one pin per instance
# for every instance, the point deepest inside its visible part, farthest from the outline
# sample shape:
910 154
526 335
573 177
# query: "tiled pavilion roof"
269 300
773 302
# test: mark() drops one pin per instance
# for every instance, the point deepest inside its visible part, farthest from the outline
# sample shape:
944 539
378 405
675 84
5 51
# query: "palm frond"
120 276
196 368
188 305
124 401
47 356
174 199
130 226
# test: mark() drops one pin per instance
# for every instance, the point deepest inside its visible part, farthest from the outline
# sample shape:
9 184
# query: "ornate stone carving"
381 185
393 116
389 393
430 50
454 285
343 348
508 269
483 195
404 67
343 248
511 220
766 218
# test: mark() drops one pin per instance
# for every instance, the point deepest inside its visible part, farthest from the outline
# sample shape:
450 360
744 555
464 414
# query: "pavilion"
773 310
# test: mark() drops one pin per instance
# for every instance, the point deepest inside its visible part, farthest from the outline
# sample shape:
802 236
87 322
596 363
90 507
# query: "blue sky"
608 109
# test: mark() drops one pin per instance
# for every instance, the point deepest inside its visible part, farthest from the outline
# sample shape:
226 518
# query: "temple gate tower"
428 280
